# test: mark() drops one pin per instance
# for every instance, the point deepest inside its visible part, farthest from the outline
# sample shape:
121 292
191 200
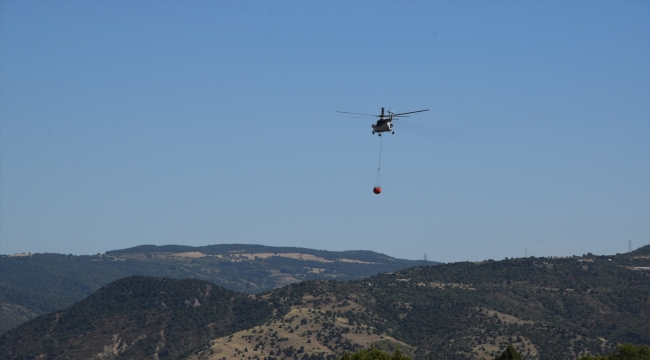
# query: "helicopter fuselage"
383 125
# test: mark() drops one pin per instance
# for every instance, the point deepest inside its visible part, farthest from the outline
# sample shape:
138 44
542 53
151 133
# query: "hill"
38 284
137 317
548 308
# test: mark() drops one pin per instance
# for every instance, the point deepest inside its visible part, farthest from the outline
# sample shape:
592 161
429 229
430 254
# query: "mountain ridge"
548 308
36 284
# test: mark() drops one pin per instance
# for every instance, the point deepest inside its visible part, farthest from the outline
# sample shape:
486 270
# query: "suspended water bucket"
377 190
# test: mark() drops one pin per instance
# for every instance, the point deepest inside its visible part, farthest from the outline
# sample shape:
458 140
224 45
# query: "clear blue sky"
127 123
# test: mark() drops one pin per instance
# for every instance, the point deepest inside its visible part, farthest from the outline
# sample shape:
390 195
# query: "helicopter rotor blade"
347 112
410 112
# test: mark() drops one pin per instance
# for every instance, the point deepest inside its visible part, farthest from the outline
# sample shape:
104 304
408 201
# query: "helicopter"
384 124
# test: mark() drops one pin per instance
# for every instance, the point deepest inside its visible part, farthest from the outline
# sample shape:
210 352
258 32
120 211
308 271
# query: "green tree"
509 354
375 354
624 352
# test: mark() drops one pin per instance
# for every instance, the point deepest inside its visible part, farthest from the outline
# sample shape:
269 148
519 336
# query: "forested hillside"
137 317
547 308
36 284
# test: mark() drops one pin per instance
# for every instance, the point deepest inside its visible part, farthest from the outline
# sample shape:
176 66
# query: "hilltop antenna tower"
526 252
629 245
425 258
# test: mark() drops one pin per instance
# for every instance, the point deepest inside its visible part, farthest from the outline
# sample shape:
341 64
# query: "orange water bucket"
377 190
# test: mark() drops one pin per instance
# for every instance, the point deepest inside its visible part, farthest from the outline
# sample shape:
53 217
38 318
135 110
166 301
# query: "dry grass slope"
304 330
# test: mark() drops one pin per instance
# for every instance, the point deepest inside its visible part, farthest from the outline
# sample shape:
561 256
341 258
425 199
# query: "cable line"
377 188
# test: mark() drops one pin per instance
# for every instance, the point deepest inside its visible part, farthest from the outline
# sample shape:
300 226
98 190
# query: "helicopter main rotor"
390 116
